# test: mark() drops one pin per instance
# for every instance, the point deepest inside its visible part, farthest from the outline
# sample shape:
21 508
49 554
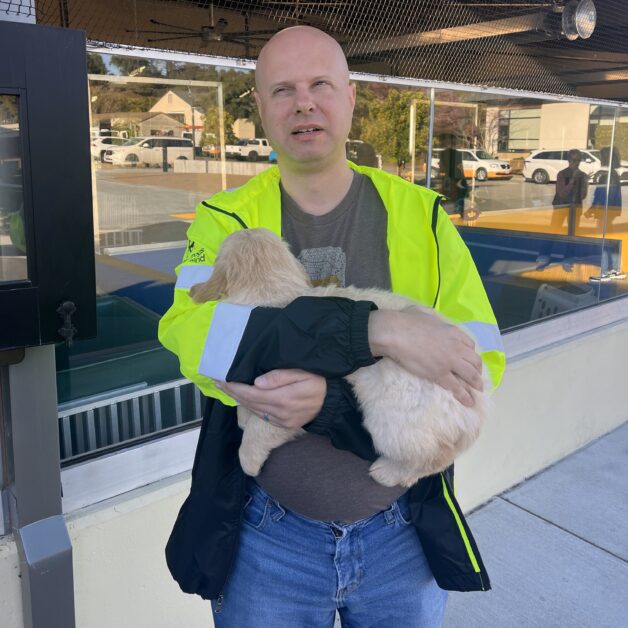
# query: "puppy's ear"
214 289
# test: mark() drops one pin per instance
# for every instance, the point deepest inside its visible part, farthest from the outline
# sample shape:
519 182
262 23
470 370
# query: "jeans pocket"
401 508
255 511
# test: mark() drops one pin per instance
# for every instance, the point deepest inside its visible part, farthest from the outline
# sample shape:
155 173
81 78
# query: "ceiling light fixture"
579 19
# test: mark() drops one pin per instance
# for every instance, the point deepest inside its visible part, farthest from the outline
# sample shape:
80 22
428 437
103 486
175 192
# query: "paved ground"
556 547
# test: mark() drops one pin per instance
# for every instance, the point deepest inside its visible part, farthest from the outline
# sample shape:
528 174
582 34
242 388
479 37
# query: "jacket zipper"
224 211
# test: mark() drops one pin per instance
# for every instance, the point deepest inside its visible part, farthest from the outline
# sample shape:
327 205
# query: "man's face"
574 162
305 99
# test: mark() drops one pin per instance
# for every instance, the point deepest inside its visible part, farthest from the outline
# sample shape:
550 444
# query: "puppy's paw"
389 472
251 465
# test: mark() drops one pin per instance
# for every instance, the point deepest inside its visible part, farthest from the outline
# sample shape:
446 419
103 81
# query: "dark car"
361 153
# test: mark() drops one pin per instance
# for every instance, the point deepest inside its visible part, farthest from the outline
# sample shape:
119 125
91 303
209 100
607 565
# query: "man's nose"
304 103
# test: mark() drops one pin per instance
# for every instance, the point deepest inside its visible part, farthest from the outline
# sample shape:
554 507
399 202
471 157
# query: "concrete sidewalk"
556 546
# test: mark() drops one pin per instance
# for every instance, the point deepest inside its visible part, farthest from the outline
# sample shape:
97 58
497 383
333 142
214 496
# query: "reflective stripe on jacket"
428 262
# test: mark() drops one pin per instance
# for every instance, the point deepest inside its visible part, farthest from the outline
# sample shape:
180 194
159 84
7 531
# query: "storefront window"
12 240
166 135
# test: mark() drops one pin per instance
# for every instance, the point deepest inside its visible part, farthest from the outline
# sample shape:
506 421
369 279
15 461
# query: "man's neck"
317 193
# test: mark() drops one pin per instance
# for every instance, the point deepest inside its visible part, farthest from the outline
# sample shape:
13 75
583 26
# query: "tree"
8 110
211 127
364 96
135 66
95 64
107 98
387 125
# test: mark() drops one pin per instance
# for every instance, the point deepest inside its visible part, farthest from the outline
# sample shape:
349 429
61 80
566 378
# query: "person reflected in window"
609 189
451 180
571 190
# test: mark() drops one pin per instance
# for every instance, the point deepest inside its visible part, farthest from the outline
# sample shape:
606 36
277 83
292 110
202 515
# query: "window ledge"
564 328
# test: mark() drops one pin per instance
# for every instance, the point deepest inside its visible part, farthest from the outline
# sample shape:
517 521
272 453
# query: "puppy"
417 427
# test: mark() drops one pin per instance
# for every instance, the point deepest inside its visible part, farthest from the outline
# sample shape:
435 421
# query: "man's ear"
352 93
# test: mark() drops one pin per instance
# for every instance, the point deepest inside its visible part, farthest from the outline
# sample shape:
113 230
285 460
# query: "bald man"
313 533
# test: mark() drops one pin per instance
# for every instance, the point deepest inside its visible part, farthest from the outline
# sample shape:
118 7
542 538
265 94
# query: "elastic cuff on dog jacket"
339 399
360 333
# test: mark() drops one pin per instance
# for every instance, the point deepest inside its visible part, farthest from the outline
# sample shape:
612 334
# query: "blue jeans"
294 572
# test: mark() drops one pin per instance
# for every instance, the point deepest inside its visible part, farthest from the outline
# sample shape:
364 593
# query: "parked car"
99 146
482 165
252 149
476 163
149 151
211 150
361 153
543 166
272 158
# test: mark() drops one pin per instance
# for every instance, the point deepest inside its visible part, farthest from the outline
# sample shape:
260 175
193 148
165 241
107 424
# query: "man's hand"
289 397
428 347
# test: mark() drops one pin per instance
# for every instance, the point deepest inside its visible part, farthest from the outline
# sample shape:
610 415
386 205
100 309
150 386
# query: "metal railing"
102 422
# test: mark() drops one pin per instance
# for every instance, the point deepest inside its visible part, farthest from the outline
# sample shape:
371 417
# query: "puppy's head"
253 266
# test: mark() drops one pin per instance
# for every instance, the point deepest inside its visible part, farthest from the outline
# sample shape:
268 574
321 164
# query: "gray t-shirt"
346 246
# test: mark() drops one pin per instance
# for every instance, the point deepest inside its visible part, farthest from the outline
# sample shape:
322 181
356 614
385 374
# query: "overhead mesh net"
511 44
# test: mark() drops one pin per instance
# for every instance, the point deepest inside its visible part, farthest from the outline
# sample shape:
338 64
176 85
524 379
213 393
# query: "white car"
149 151
250 149
543 166
476 164
100 145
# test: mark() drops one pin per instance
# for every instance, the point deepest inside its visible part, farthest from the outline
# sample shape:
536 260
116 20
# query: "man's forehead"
311 52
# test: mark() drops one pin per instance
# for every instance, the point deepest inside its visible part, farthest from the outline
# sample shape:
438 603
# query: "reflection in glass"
163 139
12 238
539 225
393 122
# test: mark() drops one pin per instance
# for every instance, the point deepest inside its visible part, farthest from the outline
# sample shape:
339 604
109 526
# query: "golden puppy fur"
418 428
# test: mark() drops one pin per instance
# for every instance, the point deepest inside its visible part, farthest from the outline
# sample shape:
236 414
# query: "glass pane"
520 177
12 239
159 146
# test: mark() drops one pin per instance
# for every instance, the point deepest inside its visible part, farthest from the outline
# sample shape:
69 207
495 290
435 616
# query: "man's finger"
454 385
243 393
475 360
280 377
469 375
468 341
464 396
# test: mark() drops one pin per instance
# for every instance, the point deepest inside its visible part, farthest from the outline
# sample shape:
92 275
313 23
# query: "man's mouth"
304 131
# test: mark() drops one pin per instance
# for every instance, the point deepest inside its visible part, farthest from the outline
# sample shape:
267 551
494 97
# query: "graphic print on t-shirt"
326 265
